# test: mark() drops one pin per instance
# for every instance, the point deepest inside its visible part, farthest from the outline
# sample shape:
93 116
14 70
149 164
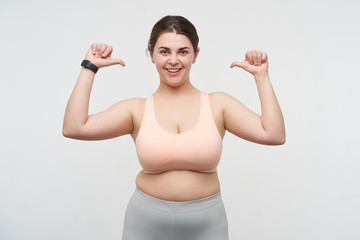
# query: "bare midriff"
178 185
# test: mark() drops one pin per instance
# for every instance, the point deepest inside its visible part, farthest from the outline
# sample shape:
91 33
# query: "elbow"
276 140
66 129
66 133
279 141
72 129
277 137
70 133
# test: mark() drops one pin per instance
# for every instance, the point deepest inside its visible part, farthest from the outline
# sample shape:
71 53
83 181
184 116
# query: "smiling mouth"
173 70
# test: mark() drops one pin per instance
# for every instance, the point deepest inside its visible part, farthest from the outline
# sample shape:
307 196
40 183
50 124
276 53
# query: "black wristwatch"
87 64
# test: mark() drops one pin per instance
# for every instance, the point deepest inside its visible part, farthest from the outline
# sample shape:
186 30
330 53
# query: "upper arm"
240 120
115 121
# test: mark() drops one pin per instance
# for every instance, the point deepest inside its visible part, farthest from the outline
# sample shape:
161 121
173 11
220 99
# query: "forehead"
173 40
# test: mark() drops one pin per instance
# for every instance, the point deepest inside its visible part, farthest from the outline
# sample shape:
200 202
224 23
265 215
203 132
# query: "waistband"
172 206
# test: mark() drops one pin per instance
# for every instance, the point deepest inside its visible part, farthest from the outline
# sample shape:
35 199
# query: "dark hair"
177 24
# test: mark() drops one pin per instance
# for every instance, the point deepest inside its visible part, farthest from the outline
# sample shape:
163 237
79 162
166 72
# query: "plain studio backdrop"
56 188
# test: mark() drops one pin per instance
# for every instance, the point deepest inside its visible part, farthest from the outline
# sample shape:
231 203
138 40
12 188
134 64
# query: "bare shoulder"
135 102
220 95
131 108
131 104
220 99
135 106
225 103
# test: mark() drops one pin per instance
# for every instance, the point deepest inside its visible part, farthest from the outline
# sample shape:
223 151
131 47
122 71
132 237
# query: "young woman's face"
173 56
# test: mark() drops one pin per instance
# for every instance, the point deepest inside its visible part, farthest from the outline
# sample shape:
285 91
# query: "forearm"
77 108
271 115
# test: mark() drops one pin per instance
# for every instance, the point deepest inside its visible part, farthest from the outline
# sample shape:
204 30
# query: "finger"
107 52
98 46
102 49
258 57
247 56
114 61
240 64
264 57
93 48
251 57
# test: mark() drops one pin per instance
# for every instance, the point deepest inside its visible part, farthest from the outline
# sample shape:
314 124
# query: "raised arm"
113 122
266 129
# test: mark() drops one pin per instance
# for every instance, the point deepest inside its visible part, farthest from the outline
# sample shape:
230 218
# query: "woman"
178 133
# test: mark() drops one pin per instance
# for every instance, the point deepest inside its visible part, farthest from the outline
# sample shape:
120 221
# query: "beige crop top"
198 148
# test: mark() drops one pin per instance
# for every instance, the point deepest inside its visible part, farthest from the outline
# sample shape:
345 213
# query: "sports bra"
198 149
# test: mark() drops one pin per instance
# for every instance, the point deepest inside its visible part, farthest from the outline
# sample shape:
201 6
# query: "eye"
164 52
183 52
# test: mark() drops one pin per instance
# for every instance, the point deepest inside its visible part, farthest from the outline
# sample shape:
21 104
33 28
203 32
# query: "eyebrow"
179 48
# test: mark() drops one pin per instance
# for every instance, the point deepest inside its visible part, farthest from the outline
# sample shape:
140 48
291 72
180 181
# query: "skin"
175 96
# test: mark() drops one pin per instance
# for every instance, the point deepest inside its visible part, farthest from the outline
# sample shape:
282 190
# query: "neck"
185 89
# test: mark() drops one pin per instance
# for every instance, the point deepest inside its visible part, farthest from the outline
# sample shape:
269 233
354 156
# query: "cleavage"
177 116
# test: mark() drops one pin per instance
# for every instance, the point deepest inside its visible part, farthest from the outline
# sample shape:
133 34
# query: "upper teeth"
173 70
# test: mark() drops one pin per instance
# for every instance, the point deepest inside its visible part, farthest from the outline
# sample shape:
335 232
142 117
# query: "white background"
57 188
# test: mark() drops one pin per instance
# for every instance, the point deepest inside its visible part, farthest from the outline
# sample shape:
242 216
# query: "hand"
100 55
256 63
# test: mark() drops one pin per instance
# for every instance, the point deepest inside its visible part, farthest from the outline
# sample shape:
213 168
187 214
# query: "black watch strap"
87 64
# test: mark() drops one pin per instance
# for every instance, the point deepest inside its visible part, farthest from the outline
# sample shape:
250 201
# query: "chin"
174 83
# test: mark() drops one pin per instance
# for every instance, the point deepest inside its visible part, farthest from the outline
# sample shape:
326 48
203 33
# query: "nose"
173 59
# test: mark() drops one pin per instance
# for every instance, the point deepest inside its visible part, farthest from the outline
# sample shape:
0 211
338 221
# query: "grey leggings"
150 218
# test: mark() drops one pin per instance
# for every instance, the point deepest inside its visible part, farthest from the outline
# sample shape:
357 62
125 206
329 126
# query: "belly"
178 185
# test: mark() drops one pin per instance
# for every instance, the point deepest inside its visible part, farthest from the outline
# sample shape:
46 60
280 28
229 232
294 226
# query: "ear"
196 54
152 57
